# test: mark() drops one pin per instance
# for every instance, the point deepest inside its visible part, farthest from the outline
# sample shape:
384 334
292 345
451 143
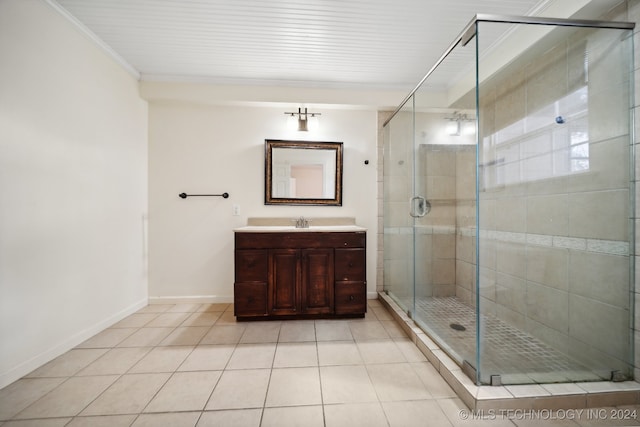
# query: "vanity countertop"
316 225
290 228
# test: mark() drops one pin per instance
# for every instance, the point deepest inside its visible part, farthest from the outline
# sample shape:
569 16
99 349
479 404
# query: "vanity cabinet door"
317 281
284 276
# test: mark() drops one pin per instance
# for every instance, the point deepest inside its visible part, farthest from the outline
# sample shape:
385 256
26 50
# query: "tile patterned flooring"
194 365
519 357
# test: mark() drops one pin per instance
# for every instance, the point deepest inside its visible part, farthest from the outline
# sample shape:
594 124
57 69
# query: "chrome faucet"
302 222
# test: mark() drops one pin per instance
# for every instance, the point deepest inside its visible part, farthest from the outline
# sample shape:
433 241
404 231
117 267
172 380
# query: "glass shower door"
556 202
399 265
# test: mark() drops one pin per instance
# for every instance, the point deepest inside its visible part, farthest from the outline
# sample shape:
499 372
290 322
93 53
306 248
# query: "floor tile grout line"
277 342
322 403
127 372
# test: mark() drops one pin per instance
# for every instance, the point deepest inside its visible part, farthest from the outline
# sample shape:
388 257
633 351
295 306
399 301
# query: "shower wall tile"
601 277
598 358
613 118
546 79
514 318
487 208
397 214
511 214
539 240
444 271
487 123
487 307
446 246
399 245
610 69
636 341
511 293
597 214
576 70
548 306
424 245
608 167
440 163
488 253
465 214
396 274
548 266
575 243
464 248
465 274
440 188
602 325
398 189
511 259
546 334
510 96
440 291
424 274
466 174
487 283
548 215
440 215
636 323
555 185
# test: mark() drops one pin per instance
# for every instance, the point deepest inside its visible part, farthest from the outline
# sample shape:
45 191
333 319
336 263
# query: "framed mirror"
303 173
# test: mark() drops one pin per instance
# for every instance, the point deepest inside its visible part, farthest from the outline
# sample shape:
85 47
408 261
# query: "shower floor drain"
457 327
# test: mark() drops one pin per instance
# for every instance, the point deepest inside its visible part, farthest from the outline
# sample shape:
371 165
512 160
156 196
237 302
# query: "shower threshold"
558 395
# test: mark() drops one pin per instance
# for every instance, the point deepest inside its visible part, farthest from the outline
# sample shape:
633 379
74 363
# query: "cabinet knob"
350 264
345 243
351 298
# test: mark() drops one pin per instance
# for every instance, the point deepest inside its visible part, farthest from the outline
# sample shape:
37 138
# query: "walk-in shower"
508 201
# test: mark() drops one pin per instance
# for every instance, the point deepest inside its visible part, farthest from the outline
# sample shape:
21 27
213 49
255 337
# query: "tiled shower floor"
517 356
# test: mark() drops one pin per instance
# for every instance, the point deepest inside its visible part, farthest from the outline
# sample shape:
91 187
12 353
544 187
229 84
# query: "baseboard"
197 299
210 299
35 362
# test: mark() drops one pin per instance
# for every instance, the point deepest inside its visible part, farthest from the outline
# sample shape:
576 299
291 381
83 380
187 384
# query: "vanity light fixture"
303 121
460 123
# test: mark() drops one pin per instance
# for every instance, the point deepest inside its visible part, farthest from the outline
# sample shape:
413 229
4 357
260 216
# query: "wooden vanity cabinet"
250 288
299 275
350 281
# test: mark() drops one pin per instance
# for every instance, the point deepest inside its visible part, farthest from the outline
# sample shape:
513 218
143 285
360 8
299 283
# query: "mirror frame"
270 144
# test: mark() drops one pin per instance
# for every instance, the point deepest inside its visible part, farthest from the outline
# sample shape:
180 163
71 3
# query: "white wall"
73 178
203 149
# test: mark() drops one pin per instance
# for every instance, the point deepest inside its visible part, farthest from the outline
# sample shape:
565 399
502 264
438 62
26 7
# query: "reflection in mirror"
303 173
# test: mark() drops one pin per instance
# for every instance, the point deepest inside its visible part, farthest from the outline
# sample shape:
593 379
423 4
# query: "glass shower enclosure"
509 201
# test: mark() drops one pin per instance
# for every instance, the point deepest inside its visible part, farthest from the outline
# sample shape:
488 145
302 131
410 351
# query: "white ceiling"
372 44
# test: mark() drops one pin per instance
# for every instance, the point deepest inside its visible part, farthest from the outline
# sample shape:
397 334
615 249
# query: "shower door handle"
419 207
